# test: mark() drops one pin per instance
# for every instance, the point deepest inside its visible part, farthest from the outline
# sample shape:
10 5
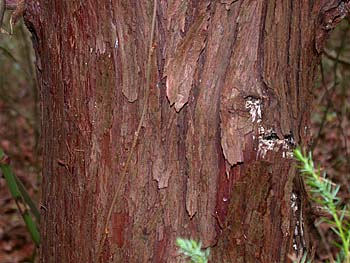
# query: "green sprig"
193 250
325 193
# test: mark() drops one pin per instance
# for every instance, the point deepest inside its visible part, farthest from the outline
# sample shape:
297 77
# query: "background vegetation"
19 138
331 125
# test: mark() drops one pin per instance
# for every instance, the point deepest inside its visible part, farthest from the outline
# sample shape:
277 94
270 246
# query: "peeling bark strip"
182 61
229 97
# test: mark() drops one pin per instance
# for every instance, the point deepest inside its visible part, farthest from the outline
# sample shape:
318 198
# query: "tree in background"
228 98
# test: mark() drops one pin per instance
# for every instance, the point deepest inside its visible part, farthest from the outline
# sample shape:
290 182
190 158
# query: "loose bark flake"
242 84
182 60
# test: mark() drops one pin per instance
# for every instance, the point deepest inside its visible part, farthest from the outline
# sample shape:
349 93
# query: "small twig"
329 55
137 133
11 4
324 118
319 212
332 89
347 157
325 244
31 78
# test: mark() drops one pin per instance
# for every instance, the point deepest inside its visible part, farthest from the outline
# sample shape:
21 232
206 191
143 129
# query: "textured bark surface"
229 99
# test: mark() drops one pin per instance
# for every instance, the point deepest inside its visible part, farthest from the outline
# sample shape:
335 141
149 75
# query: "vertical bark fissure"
288 53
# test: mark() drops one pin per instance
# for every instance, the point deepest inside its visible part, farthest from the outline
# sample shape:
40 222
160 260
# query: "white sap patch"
254 106
268 141
264 144
116 43
294 206
293 202
299 244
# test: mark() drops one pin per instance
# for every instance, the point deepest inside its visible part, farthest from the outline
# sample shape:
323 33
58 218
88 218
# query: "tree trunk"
229 99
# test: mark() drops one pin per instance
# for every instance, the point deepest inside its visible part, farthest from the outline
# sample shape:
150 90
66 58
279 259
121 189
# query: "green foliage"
19 194
301 260
193 250
304 259
325 193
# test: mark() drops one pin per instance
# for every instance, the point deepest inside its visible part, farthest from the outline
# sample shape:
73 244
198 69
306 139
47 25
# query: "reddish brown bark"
229 99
